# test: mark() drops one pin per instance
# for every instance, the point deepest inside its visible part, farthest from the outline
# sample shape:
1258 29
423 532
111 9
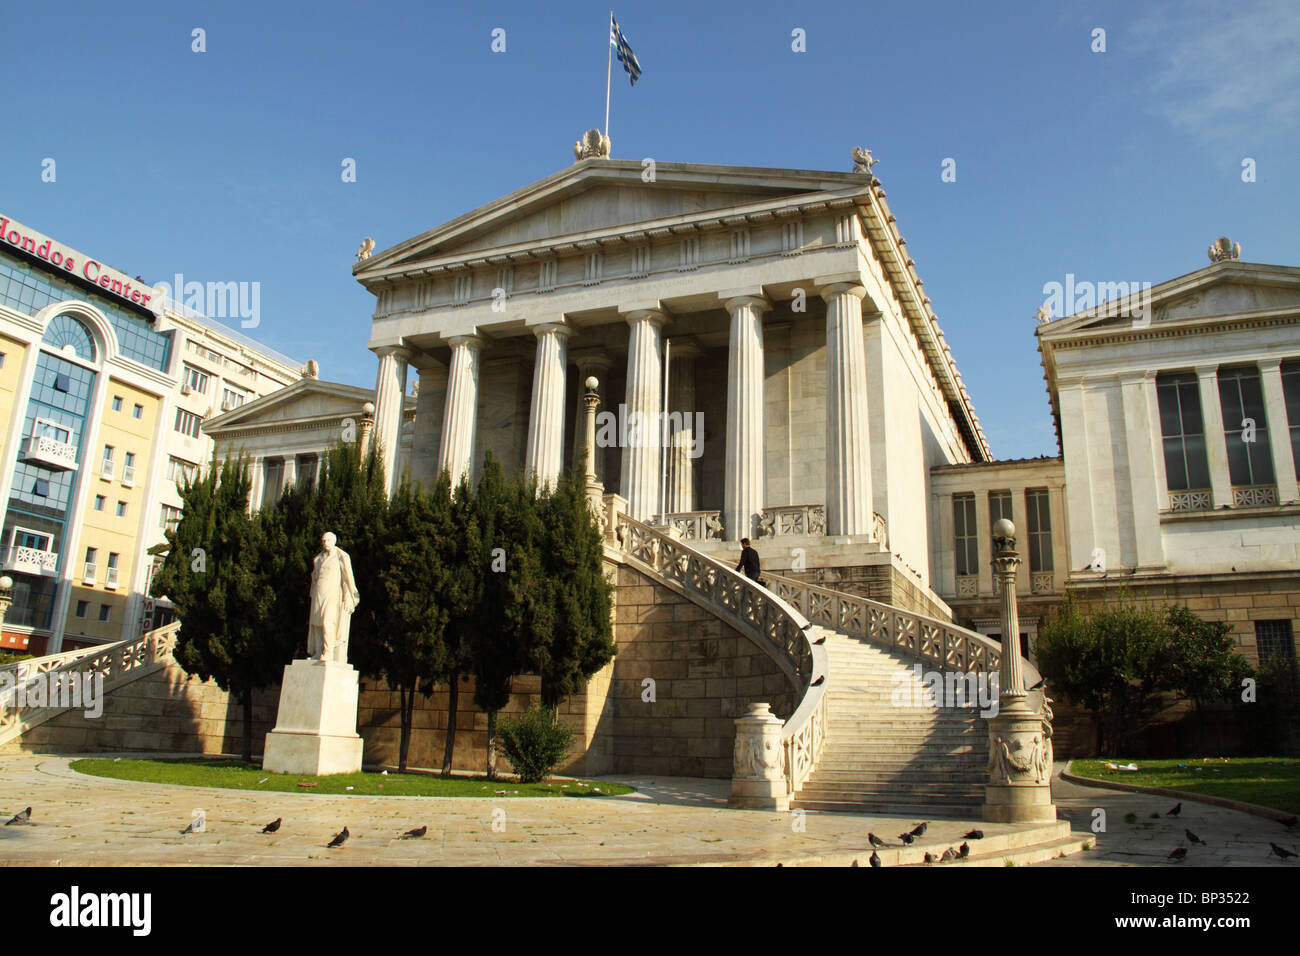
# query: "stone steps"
883 758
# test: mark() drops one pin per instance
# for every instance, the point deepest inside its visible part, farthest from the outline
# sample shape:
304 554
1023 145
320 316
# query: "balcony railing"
31 560
1197 499
694 525
792 519
1254 496
49 453
106 472
1042 582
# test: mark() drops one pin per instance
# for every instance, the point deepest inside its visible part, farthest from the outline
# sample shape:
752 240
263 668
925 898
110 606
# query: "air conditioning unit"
185 388
227 404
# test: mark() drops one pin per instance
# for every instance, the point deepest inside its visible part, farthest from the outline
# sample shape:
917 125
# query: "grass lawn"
237 775
1268 781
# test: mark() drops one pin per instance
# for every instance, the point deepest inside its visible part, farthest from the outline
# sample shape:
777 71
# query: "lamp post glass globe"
592 383
1003 528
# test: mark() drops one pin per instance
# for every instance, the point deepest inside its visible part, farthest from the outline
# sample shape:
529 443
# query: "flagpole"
609 63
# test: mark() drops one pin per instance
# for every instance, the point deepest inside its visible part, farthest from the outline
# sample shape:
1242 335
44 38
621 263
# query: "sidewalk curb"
1254 809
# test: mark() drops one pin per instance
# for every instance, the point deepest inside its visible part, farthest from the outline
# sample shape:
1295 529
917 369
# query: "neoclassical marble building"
778 308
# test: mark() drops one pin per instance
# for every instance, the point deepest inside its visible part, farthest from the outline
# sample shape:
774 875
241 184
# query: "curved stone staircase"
880 757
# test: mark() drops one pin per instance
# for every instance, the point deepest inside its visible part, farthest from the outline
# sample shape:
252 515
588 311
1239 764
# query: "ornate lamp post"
1020 743
595 489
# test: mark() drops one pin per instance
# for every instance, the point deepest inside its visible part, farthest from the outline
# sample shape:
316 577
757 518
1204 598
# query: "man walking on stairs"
749 562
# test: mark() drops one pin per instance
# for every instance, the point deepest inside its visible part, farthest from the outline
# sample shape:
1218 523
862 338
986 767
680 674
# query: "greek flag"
623 51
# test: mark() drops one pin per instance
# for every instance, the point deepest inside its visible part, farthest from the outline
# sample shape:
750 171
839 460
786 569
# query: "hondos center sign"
107 280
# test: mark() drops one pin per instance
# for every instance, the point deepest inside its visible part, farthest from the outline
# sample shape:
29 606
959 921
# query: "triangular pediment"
1221 290
304 400
599 195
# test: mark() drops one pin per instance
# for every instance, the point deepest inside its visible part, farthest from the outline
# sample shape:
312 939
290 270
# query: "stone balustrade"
113 663
792 519
694 525
929 640
781 630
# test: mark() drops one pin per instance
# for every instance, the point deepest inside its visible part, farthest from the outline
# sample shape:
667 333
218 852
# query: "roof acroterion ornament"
593 145
1225 250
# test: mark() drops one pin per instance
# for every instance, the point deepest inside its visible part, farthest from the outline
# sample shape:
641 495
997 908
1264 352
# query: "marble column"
680 493
744 485
1279 430
848 436
643 403
1216 443
545 453
460 411
289 476
1142 437
590 362
390 392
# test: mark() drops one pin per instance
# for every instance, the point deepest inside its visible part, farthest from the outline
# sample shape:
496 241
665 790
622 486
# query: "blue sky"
225 165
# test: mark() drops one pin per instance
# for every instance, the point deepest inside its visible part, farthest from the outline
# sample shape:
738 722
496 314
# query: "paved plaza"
79 819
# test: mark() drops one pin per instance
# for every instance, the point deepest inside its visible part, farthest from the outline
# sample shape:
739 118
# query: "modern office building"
103 387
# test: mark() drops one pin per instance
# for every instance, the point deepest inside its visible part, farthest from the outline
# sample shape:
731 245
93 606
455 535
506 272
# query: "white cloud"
1223 71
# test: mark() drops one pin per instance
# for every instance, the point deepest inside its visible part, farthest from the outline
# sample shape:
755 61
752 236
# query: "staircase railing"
926 639
776 626
115 664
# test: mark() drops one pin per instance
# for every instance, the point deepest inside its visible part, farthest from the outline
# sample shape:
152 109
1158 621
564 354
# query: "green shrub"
535 743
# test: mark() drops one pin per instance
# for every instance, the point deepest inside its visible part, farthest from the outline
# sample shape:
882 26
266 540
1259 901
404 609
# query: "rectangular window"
99 502
964 534
121 509
187 423
999 507
91 554
117 403
196 379
307 471
108 453
137 411
232 398
1038 515
1291 392
105 613
112 560
1274 640
1250 461
272 477
2 359
1183 432
170 517
82 608
179 470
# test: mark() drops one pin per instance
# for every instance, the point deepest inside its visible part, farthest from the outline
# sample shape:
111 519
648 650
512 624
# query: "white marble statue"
334 597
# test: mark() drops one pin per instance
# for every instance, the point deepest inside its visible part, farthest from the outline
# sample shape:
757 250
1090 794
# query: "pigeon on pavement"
875 858
417 832
1192 837
340 838
875 840
1173 811
1281 851
1179 853
974 835
22 817
272 826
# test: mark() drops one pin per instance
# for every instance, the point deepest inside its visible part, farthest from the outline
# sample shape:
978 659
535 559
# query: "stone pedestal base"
758 777
316 727
1019 805
759 795
1020 765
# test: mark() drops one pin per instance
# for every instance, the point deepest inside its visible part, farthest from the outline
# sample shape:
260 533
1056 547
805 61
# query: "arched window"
64 331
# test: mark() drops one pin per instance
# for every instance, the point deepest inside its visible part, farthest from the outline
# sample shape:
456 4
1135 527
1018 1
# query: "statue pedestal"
316 727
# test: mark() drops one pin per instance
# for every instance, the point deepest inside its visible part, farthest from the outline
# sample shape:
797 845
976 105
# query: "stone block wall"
705 674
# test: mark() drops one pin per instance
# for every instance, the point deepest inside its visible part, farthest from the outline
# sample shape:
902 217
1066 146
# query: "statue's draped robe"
333 598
